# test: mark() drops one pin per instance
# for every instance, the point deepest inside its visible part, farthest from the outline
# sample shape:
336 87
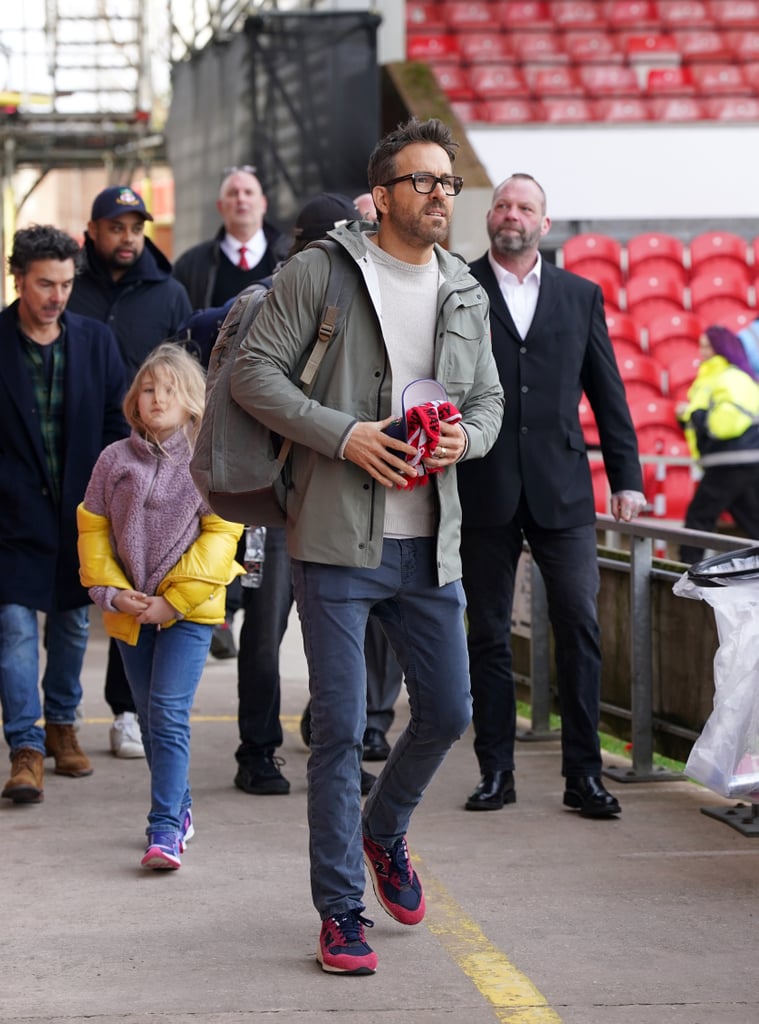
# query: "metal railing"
642 534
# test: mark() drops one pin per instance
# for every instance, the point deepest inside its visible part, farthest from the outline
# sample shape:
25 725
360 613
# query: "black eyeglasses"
247 168
425 183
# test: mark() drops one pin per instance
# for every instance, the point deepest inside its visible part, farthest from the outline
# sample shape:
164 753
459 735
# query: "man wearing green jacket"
374 521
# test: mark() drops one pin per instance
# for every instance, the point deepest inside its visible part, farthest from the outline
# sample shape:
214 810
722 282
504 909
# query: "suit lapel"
482 270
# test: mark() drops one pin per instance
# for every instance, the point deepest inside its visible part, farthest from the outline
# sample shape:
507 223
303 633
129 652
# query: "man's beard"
421 228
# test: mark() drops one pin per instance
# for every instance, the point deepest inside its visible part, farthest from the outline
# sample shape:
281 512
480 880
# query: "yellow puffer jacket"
196 586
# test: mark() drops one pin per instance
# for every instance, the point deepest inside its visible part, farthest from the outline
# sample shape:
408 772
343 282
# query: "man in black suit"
551 344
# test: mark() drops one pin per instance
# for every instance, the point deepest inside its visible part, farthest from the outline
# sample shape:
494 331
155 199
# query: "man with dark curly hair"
61 385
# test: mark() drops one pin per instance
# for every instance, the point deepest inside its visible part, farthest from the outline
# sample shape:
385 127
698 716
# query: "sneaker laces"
401 861
351 925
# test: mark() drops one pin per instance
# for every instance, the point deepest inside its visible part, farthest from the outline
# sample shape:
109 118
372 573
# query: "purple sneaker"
187 830
162 851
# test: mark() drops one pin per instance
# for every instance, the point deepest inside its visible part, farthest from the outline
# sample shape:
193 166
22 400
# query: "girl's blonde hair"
170 362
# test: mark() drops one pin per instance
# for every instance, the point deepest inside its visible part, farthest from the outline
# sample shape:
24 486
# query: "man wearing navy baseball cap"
126 282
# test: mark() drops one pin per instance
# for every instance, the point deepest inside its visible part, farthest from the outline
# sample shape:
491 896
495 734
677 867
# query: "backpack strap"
340 291
341 288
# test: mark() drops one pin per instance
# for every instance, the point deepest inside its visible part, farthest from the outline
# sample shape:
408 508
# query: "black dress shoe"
376 747
367 781
494 790
587 794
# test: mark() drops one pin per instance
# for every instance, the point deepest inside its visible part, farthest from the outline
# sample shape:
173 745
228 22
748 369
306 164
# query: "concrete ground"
535 916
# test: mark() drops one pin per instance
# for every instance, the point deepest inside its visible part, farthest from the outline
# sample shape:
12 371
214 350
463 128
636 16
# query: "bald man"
245 248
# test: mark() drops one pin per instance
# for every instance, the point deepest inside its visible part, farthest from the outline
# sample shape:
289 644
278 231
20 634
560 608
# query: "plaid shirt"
47 384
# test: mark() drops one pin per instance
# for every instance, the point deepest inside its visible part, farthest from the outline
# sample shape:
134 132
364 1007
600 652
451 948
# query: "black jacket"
197 268
143 308
541 448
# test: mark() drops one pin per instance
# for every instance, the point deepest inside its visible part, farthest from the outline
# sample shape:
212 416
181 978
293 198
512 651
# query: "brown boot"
62 744
25 784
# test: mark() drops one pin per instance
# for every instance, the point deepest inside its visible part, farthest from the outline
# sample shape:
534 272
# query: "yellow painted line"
514 998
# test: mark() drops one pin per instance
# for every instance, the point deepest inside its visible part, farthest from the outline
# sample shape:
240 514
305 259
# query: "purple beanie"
728 345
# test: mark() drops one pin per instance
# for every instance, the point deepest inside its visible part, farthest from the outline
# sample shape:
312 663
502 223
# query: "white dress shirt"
255 248
521 297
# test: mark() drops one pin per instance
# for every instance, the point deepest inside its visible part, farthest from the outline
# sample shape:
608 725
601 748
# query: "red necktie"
243 262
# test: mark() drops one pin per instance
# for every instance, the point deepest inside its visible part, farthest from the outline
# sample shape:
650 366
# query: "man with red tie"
245 249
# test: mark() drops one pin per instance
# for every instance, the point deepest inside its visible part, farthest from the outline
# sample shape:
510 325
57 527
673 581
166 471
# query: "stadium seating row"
584 15
576 110
509 63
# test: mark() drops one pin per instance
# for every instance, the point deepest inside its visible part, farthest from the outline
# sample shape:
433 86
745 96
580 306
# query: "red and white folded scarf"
423 432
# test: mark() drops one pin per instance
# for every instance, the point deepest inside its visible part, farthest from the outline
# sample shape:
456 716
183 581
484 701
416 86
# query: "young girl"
157 561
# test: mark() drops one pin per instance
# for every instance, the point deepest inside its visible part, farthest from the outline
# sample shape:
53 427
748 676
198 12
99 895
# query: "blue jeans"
425 626
164 670
65 639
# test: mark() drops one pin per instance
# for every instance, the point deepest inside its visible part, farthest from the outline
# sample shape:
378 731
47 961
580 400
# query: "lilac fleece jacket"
153 507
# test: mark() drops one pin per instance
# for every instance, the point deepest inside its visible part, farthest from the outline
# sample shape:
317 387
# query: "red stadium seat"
735 13
467 111
468 14
572 110
715 78
655 424
732 108
642 377
537 48
623 348
495 81
656 252
670 82
744 46
452 79
552 80
735 320
576 14
635 14
680 375
424 17
722 246
622 327
671 494
619 109
673 336
676 108
713 295
588 423
483 47
609 80
591 246
514 110
650 295
601 493
515 15
685 14
434 47
651 49
592 48
702 44
751 74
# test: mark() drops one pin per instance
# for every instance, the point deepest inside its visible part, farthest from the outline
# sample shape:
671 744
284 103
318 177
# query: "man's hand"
374 452
626 505
451 446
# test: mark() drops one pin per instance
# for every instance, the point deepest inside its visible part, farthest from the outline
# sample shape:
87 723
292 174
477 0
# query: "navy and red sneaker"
342 948
396 884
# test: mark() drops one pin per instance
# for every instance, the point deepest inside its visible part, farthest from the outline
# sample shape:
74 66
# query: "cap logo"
126 197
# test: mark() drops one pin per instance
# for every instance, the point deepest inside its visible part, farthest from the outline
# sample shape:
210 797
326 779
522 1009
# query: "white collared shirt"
521 297
255 248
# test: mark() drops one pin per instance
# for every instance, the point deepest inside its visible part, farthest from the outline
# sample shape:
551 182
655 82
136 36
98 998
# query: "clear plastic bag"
725 757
